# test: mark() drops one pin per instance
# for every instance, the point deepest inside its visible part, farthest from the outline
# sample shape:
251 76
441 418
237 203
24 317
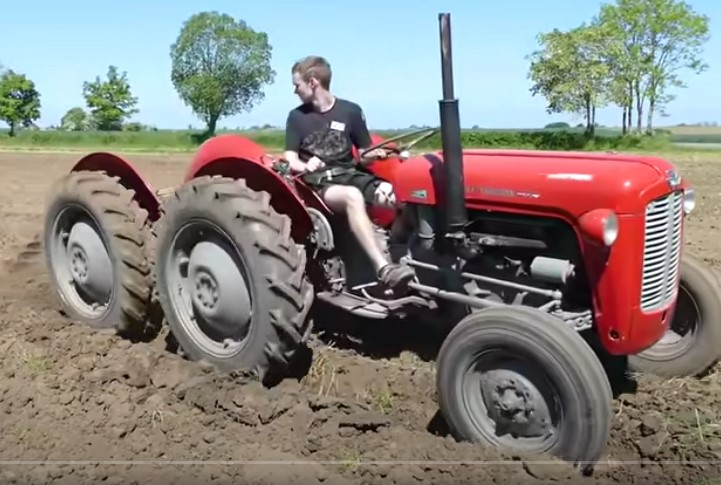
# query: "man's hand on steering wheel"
376 154
314 164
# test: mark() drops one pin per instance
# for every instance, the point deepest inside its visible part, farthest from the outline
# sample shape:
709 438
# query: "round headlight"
610 229
689 201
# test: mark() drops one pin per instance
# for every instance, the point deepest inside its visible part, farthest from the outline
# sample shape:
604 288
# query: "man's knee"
343 197
384 195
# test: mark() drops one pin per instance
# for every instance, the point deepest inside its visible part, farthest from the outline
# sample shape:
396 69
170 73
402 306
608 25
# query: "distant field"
699 146
273 139
695 130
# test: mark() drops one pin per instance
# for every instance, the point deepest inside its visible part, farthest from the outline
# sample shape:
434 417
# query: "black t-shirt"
329 136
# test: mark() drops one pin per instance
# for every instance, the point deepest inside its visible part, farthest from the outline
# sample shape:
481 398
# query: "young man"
320 135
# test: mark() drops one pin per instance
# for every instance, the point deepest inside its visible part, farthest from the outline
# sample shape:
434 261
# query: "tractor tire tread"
550 340
706 349
128 229
279 271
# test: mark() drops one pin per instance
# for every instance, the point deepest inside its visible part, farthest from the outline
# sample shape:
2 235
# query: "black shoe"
394 275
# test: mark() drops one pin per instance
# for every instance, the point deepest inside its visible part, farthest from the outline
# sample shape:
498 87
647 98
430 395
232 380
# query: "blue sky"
61 44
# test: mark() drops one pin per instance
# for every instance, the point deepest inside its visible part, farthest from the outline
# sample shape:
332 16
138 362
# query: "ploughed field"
363 413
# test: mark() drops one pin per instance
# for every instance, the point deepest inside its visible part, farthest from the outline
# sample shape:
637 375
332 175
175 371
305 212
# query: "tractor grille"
661 250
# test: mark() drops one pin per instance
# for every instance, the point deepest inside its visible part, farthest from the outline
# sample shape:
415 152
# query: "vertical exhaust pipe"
456 216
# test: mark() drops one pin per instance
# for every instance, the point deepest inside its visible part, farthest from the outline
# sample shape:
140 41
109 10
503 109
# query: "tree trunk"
629 106
649 115
12 128
624 120
639 107
212 123
587 100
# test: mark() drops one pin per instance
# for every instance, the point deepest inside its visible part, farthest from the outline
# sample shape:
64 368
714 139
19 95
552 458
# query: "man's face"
304 90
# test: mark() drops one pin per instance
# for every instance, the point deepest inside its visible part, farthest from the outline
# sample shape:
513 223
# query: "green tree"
570 72
219 66
75 120
19 100
111 101
654 40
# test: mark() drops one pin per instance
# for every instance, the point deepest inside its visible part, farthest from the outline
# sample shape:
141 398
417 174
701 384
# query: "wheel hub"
206 291
219 297
78 264
88 262
515 405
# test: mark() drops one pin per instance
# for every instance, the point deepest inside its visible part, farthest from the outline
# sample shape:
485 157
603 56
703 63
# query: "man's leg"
346 199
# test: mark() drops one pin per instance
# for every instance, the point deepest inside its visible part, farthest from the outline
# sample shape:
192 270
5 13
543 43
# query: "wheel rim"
208 285
510 403
682 332
81 262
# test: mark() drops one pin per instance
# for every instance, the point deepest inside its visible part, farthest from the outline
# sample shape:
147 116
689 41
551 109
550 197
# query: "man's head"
311 75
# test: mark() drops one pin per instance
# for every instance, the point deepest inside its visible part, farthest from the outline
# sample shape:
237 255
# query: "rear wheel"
693 342
95 240
520 379
230 279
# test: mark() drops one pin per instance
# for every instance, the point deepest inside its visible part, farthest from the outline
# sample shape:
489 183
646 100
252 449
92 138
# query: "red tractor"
528 259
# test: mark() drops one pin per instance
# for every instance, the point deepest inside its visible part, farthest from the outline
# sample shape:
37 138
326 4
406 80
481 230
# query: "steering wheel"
427 132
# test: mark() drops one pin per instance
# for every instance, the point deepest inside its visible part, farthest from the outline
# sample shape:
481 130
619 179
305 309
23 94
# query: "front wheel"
521 379
692 343
230 279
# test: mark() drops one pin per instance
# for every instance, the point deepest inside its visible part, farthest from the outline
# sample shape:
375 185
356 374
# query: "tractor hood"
568 182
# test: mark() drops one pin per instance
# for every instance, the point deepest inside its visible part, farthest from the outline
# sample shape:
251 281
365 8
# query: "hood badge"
673 179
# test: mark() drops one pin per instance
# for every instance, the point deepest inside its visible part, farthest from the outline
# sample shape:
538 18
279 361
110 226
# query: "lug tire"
551 349
695 353
124 229
275 266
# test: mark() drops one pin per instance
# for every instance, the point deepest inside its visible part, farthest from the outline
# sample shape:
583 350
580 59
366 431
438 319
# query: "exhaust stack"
456 216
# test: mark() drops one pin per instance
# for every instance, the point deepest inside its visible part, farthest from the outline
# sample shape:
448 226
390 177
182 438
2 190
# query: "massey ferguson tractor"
535 263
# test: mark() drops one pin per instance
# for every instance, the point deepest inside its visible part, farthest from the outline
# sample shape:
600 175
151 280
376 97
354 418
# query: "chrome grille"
661 250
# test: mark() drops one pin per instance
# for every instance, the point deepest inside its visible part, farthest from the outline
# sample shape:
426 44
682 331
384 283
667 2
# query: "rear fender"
118 166
234 156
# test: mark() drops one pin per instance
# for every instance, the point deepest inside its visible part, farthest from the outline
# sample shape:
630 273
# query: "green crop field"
272 139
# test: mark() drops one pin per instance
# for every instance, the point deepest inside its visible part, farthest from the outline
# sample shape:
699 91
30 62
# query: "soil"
82 406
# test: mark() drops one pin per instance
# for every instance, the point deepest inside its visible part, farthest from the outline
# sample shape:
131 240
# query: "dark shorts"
364 181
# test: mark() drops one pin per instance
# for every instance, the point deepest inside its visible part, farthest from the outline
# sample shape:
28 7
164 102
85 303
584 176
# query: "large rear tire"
693 342
230 278
95 242
506 373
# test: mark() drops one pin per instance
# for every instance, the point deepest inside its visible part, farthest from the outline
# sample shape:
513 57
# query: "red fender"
118 166
235 156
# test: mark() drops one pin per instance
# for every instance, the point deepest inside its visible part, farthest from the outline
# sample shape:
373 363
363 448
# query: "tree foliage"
570 71
219 66
19 100
110 101
631 55
76 119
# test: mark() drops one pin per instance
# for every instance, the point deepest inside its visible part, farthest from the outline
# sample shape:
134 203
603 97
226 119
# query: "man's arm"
292 145
360 135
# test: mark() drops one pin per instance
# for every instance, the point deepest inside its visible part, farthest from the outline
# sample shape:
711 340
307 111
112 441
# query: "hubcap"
81 262
208 289
89 263
510 402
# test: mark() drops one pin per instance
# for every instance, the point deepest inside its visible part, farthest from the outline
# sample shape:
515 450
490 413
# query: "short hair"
314 66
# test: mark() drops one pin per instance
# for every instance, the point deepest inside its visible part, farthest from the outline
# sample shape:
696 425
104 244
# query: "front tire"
230 278
693 342
96 240
518 371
